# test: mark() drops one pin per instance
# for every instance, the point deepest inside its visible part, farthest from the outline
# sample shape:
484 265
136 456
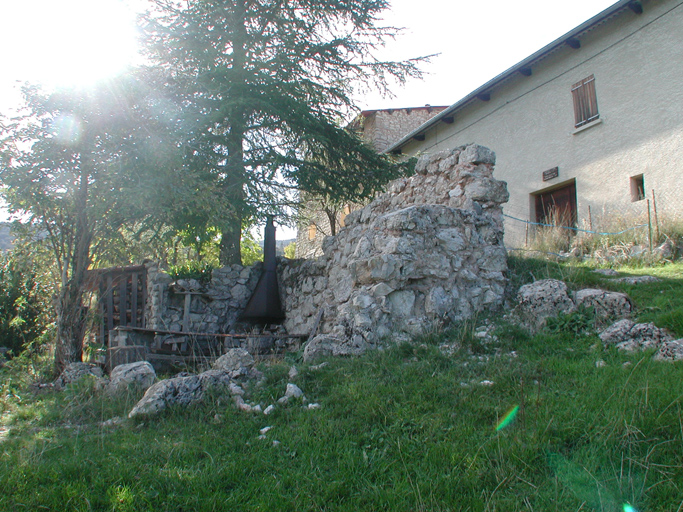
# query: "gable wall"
637 61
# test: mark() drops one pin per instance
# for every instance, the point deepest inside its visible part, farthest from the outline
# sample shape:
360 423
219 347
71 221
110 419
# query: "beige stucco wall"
637 61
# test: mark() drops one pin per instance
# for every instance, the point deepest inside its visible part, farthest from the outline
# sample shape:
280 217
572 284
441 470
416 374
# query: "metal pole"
654 207
649 225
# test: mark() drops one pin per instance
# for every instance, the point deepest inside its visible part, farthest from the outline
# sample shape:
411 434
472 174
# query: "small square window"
637 188
585 102
312 230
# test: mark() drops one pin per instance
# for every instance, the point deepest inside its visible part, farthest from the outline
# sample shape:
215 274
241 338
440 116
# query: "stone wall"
381 128
214 306
429 250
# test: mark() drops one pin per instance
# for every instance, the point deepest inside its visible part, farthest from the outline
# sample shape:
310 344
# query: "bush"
22 304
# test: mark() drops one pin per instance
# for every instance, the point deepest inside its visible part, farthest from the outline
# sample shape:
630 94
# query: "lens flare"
629 508
508 418
67 129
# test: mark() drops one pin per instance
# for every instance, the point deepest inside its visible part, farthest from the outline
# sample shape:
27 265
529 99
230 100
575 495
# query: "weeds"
403 429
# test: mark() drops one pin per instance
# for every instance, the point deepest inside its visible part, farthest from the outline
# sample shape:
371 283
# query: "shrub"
22 304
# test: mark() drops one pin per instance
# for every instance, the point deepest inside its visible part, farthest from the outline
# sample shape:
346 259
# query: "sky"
76 42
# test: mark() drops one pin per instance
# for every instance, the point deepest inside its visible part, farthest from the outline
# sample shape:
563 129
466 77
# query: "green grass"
404 429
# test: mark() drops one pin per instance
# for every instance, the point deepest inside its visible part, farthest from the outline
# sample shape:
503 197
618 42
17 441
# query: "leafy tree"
290 251
22 300
74 166
260 88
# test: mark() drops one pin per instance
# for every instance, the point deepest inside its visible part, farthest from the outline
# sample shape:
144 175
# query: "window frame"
585 102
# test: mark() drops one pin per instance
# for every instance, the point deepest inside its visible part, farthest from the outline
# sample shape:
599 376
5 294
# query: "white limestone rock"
74 372
139 375
538 301
234 360
606 304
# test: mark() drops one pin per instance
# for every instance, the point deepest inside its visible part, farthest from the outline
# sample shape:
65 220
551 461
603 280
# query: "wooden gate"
122 298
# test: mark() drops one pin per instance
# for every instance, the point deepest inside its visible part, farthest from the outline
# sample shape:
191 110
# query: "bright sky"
77 42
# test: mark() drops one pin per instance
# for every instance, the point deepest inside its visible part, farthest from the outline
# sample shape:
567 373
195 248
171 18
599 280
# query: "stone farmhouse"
588 130
380 128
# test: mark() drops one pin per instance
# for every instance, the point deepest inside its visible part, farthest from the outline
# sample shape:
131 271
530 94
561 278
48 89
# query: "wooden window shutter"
585 101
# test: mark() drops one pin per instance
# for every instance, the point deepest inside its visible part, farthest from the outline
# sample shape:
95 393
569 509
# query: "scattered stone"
169 392
670 351
139 375
631 337
293 391
293 373
486 383
313 406
600 363
256 408
538 301
276 443
113 422
606 304
235 389
637 279
262 437
265 430
234 360
609 272
269 410
76 371
320 366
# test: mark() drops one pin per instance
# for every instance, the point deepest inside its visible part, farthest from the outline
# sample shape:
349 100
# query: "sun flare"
67 43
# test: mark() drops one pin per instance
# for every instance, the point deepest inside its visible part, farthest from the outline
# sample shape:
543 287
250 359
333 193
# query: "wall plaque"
551 173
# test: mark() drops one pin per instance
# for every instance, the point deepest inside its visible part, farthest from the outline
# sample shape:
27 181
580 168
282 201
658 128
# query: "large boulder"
538 301
139 375
76 371
670 351
632 337
181 391
234 360
606 304
170 392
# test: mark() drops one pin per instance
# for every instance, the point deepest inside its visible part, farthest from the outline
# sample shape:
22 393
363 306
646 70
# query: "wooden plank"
318 317
134 299
110 304
144 297
186 313
123 300
209 334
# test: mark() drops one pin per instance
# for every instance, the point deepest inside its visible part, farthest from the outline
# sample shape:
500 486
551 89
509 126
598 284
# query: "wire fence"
637 223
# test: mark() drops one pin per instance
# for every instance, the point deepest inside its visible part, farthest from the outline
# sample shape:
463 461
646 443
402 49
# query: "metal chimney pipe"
264 306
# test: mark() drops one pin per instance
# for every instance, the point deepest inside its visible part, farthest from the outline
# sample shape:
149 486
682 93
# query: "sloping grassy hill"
449 422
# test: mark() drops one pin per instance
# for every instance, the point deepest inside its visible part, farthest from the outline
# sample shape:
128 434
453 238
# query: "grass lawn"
521 424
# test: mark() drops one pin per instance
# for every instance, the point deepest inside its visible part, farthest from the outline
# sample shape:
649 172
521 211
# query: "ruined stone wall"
381 128
214 306
428 250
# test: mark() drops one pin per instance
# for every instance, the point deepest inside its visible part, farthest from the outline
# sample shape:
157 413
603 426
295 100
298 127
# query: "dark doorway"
557 207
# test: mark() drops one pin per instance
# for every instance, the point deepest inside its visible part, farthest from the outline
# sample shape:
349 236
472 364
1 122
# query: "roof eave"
535 57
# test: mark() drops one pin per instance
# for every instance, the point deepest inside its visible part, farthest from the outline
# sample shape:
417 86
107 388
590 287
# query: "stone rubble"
76 371
632 337
140 375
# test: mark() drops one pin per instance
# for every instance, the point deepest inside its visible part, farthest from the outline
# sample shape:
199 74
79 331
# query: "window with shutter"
585 102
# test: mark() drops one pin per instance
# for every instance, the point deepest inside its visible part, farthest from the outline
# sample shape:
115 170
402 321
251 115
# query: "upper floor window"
585 102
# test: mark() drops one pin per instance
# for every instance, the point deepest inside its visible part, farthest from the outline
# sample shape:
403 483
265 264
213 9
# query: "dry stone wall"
429 250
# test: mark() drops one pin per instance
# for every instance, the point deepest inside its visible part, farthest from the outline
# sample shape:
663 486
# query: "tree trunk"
231 232
71 314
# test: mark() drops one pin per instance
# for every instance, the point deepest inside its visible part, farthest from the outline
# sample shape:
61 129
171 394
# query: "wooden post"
649 225
654 207
186 312
526 235
590 219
